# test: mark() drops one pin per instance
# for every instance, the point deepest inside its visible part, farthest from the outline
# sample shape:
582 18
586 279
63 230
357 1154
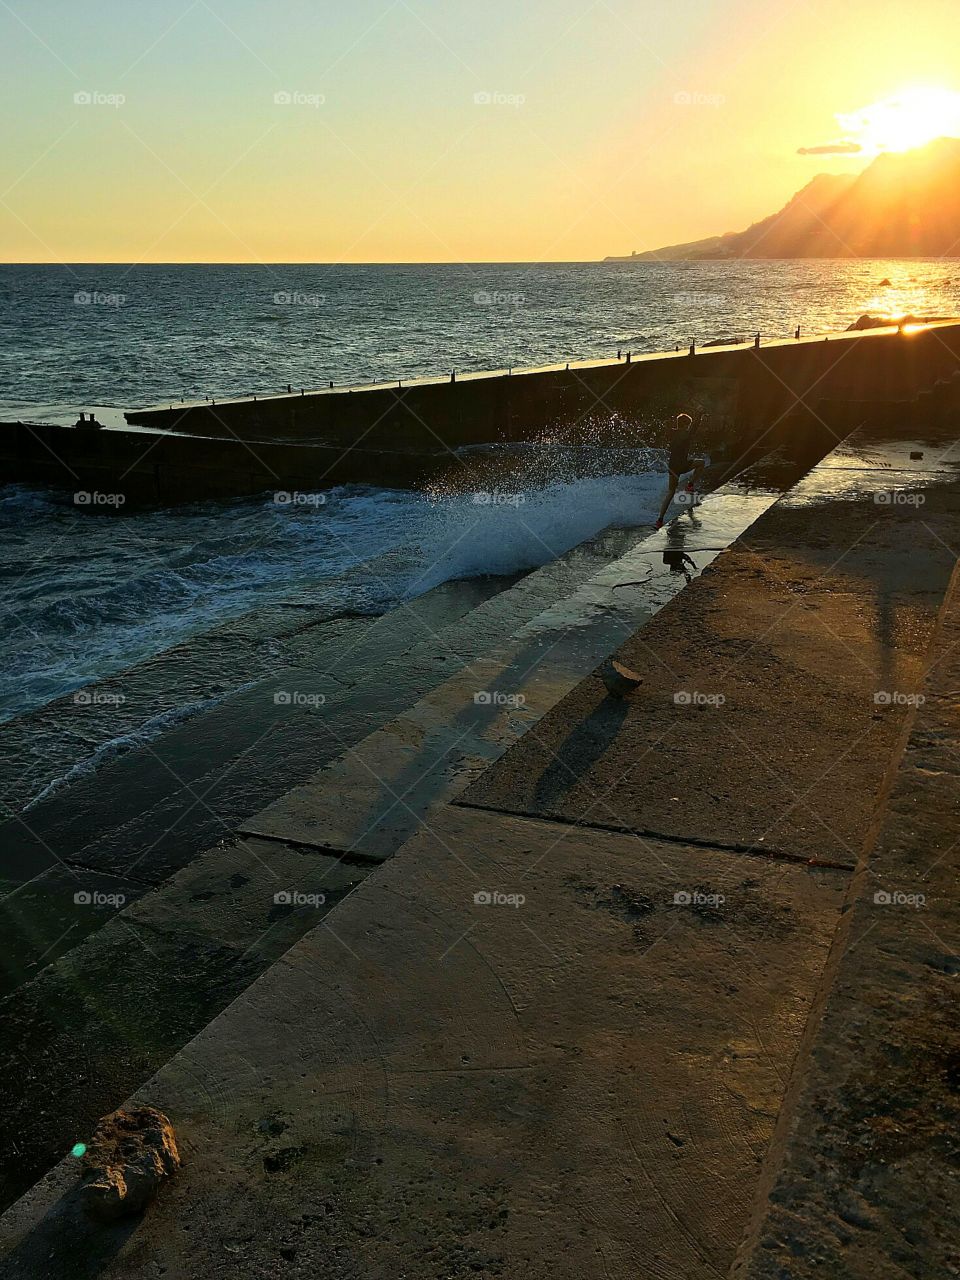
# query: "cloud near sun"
908 119
831 149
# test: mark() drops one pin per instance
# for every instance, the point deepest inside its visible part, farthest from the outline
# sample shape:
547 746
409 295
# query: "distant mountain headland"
902 205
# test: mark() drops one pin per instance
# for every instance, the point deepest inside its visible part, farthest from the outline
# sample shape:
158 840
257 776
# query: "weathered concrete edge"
809 1211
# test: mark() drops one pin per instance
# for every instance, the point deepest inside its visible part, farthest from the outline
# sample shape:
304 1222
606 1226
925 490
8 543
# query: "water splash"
100 594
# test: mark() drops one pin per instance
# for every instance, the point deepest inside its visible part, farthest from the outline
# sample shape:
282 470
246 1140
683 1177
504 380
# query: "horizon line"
641 257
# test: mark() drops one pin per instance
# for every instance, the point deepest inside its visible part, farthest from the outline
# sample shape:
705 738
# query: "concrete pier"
800 394
160 468
583 1008
753 387
860 1178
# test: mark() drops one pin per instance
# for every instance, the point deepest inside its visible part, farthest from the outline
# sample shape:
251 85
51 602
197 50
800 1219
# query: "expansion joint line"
648 833
352 856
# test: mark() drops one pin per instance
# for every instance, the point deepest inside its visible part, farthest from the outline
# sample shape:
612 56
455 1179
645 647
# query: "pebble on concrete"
130 1154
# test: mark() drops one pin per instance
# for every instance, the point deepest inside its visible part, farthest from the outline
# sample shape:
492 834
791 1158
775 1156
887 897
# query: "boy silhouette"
680 462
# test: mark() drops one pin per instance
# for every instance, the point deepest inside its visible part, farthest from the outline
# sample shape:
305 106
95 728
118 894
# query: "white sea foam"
510 529
100 595
124 742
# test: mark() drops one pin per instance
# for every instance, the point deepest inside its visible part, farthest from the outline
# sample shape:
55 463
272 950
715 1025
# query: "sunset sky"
440 130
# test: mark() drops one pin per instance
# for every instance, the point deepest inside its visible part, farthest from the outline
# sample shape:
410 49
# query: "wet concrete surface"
79 1036
125 831
48 743
587 1081
773 692
368 802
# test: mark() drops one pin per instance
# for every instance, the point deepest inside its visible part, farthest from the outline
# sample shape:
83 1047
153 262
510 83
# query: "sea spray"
98 596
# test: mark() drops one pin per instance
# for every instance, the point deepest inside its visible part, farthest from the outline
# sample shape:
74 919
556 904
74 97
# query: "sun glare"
909 119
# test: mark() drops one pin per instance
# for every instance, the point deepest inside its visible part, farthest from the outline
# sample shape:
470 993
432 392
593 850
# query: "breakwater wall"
803 396
743 389
146 468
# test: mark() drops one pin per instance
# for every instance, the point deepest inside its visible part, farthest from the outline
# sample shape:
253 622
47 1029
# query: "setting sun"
908 119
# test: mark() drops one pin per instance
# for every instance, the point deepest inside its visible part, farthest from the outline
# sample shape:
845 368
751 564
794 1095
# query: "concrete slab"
235 759
151 811
44 918
48 743
901 488
790 664
69 826
373 798
102 1017
860 1182
930 450
253 893
434 1085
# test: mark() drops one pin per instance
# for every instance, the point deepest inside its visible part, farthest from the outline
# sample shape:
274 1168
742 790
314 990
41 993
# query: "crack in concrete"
771 854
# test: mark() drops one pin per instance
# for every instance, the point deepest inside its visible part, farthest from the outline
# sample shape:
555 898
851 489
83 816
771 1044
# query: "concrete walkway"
548 1042
370 800
96 999
775 689
431 1086
861 1178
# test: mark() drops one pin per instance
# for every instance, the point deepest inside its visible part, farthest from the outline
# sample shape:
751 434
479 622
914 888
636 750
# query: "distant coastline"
903 205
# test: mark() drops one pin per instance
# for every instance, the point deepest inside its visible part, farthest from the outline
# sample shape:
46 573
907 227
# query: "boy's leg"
698 467
671 490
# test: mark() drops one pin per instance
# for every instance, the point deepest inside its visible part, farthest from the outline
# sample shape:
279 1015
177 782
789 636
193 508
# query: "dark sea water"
84 597
126 336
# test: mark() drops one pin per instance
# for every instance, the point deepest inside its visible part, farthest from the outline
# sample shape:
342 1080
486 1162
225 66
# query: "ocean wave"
125 742
98 596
